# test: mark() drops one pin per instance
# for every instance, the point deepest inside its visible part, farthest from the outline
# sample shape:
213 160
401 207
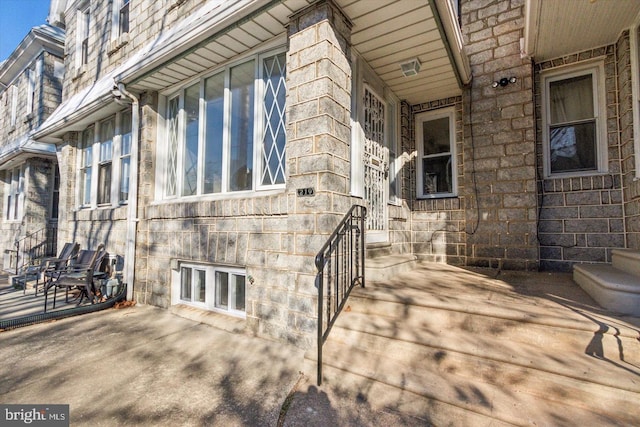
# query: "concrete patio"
439 345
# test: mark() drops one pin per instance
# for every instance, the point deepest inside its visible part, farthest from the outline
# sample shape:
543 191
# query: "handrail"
38 244
341 261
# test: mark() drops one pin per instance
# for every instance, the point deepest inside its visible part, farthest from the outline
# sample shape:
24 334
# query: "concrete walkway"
145 366
149 367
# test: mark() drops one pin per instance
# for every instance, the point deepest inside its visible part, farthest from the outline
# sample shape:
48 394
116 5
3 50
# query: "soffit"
557 28
385 33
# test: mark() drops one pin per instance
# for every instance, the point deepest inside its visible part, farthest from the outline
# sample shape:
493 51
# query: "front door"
376 166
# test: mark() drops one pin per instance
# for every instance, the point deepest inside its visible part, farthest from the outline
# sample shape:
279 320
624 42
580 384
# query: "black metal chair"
79 275
50 265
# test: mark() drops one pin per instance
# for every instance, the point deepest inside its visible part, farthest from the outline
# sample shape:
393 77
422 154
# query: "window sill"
117 44
220 196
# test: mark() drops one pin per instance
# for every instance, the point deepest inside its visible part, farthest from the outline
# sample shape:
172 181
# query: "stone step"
627 261
612 288
562 353
516 398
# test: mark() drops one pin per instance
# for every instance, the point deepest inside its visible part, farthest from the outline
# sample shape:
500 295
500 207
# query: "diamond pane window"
227 132
275 136
172 152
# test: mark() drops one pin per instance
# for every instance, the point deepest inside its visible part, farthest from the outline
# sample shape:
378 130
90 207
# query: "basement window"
214 288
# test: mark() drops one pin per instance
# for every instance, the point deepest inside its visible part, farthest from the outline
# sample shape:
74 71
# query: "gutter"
450 31
132 213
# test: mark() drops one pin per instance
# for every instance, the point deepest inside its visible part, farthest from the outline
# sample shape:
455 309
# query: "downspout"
132 213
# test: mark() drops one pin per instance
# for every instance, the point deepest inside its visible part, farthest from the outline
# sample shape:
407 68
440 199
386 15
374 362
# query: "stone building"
216 145
30 90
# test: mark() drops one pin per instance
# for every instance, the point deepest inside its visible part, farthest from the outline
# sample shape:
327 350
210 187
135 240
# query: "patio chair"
79 275
52 264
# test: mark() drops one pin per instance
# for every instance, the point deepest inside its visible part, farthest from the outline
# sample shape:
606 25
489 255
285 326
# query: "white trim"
596 69
210 287
420 119
258 124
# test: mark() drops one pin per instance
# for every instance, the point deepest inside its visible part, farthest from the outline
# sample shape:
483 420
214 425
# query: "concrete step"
373 402
627 261
520 397
561 353
612 288
499 309
383 268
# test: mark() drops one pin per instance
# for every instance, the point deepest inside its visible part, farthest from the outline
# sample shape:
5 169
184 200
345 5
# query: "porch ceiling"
385 33
557 28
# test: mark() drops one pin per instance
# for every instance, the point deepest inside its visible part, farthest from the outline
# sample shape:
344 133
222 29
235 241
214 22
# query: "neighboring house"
30 90
217 144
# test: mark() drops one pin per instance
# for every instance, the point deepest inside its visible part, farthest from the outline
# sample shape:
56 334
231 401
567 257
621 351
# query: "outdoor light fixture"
410 68
504 81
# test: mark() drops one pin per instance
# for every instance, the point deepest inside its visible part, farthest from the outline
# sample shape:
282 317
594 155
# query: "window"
123 15
125 156
226 133
86 164
83 21
14 105
55 196
103 181
573 124
435 140
31 91
15 194
211 287
107 129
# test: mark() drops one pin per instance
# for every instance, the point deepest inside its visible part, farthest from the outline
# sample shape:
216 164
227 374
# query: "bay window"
103 181
226 132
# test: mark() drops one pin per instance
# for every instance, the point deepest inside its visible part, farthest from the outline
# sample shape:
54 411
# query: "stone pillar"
500 139
318 136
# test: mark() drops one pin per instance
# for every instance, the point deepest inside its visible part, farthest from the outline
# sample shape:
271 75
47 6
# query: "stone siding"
499 185
438 225
582 218
628 146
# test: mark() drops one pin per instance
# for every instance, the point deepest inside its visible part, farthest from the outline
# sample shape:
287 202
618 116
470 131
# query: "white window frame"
258 132
116 21
635 87
210 287
83 33
14 105
596 70
115 160
14 193
450 114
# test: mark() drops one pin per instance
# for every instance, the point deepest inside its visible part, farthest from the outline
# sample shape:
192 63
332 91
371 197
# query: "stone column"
500 140
318 136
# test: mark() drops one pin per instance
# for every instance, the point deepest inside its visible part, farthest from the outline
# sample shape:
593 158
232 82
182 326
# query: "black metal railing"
340 265
33 247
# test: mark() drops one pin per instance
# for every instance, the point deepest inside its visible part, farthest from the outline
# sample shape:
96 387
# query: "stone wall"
582 218
438 225
628 146
499 185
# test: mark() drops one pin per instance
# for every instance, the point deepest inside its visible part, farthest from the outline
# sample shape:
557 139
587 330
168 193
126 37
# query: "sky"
17 17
